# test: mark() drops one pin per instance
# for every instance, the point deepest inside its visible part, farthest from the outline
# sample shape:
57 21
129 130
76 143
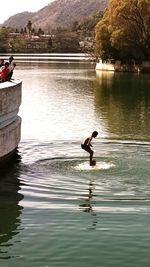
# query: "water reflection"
123 100
67 95
10 209
87 204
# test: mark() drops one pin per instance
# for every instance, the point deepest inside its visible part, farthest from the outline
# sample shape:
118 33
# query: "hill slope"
20 19
58 13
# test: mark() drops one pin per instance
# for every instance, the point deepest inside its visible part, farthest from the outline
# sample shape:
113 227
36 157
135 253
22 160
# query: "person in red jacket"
4 72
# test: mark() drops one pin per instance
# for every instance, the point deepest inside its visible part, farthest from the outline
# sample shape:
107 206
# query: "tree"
22 31
4 33
75 26
66 42
49 44
29 26
124 32
40 32
33 31
16 45
25 30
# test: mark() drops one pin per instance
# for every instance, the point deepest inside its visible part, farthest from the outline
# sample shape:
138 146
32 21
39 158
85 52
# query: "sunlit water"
55 209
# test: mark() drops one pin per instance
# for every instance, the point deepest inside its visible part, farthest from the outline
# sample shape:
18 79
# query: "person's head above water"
94 134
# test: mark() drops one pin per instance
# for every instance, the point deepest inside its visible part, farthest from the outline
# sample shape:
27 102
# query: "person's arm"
89 142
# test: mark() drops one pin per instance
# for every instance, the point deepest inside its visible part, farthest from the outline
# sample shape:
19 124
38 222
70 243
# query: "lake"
56 210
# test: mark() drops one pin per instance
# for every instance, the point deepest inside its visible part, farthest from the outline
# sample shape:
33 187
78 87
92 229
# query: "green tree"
29 26
75 26
66 42
40 32
33 31
22 31
4 33
16 45
124 31
25 30
49 44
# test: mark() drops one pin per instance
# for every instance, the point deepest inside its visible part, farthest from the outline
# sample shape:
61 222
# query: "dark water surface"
55 210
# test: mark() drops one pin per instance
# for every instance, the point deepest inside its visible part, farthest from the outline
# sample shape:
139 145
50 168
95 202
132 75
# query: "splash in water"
99 166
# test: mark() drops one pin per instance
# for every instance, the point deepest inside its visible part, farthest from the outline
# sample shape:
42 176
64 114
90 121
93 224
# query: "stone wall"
10 122
120 67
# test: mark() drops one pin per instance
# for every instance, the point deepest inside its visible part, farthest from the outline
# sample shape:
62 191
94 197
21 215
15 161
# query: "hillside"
20 19
58 13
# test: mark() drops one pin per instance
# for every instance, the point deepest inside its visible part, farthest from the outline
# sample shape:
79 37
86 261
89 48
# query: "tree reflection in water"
122 102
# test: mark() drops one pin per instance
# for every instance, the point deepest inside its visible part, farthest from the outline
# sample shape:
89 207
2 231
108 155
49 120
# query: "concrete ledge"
10 123
10 97
119 67
10 137
8 118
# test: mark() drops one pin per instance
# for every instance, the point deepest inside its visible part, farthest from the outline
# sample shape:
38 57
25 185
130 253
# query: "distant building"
88 43
32 43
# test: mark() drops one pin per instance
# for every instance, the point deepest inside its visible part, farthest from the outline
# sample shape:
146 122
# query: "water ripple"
118 183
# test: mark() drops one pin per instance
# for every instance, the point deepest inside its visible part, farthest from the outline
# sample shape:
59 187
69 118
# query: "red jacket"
4 73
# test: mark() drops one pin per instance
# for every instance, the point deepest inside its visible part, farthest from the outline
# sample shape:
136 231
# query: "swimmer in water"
86 145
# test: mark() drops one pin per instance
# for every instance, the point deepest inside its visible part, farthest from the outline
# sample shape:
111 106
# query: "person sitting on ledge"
12 65
1 62
5 72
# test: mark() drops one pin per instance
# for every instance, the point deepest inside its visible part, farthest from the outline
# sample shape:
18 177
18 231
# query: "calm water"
56 210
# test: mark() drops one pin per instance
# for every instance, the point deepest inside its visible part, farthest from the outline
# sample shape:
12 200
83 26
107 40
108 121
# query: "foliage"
124 32
87 26
62 39
16 45
4 32
29 26
66 42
